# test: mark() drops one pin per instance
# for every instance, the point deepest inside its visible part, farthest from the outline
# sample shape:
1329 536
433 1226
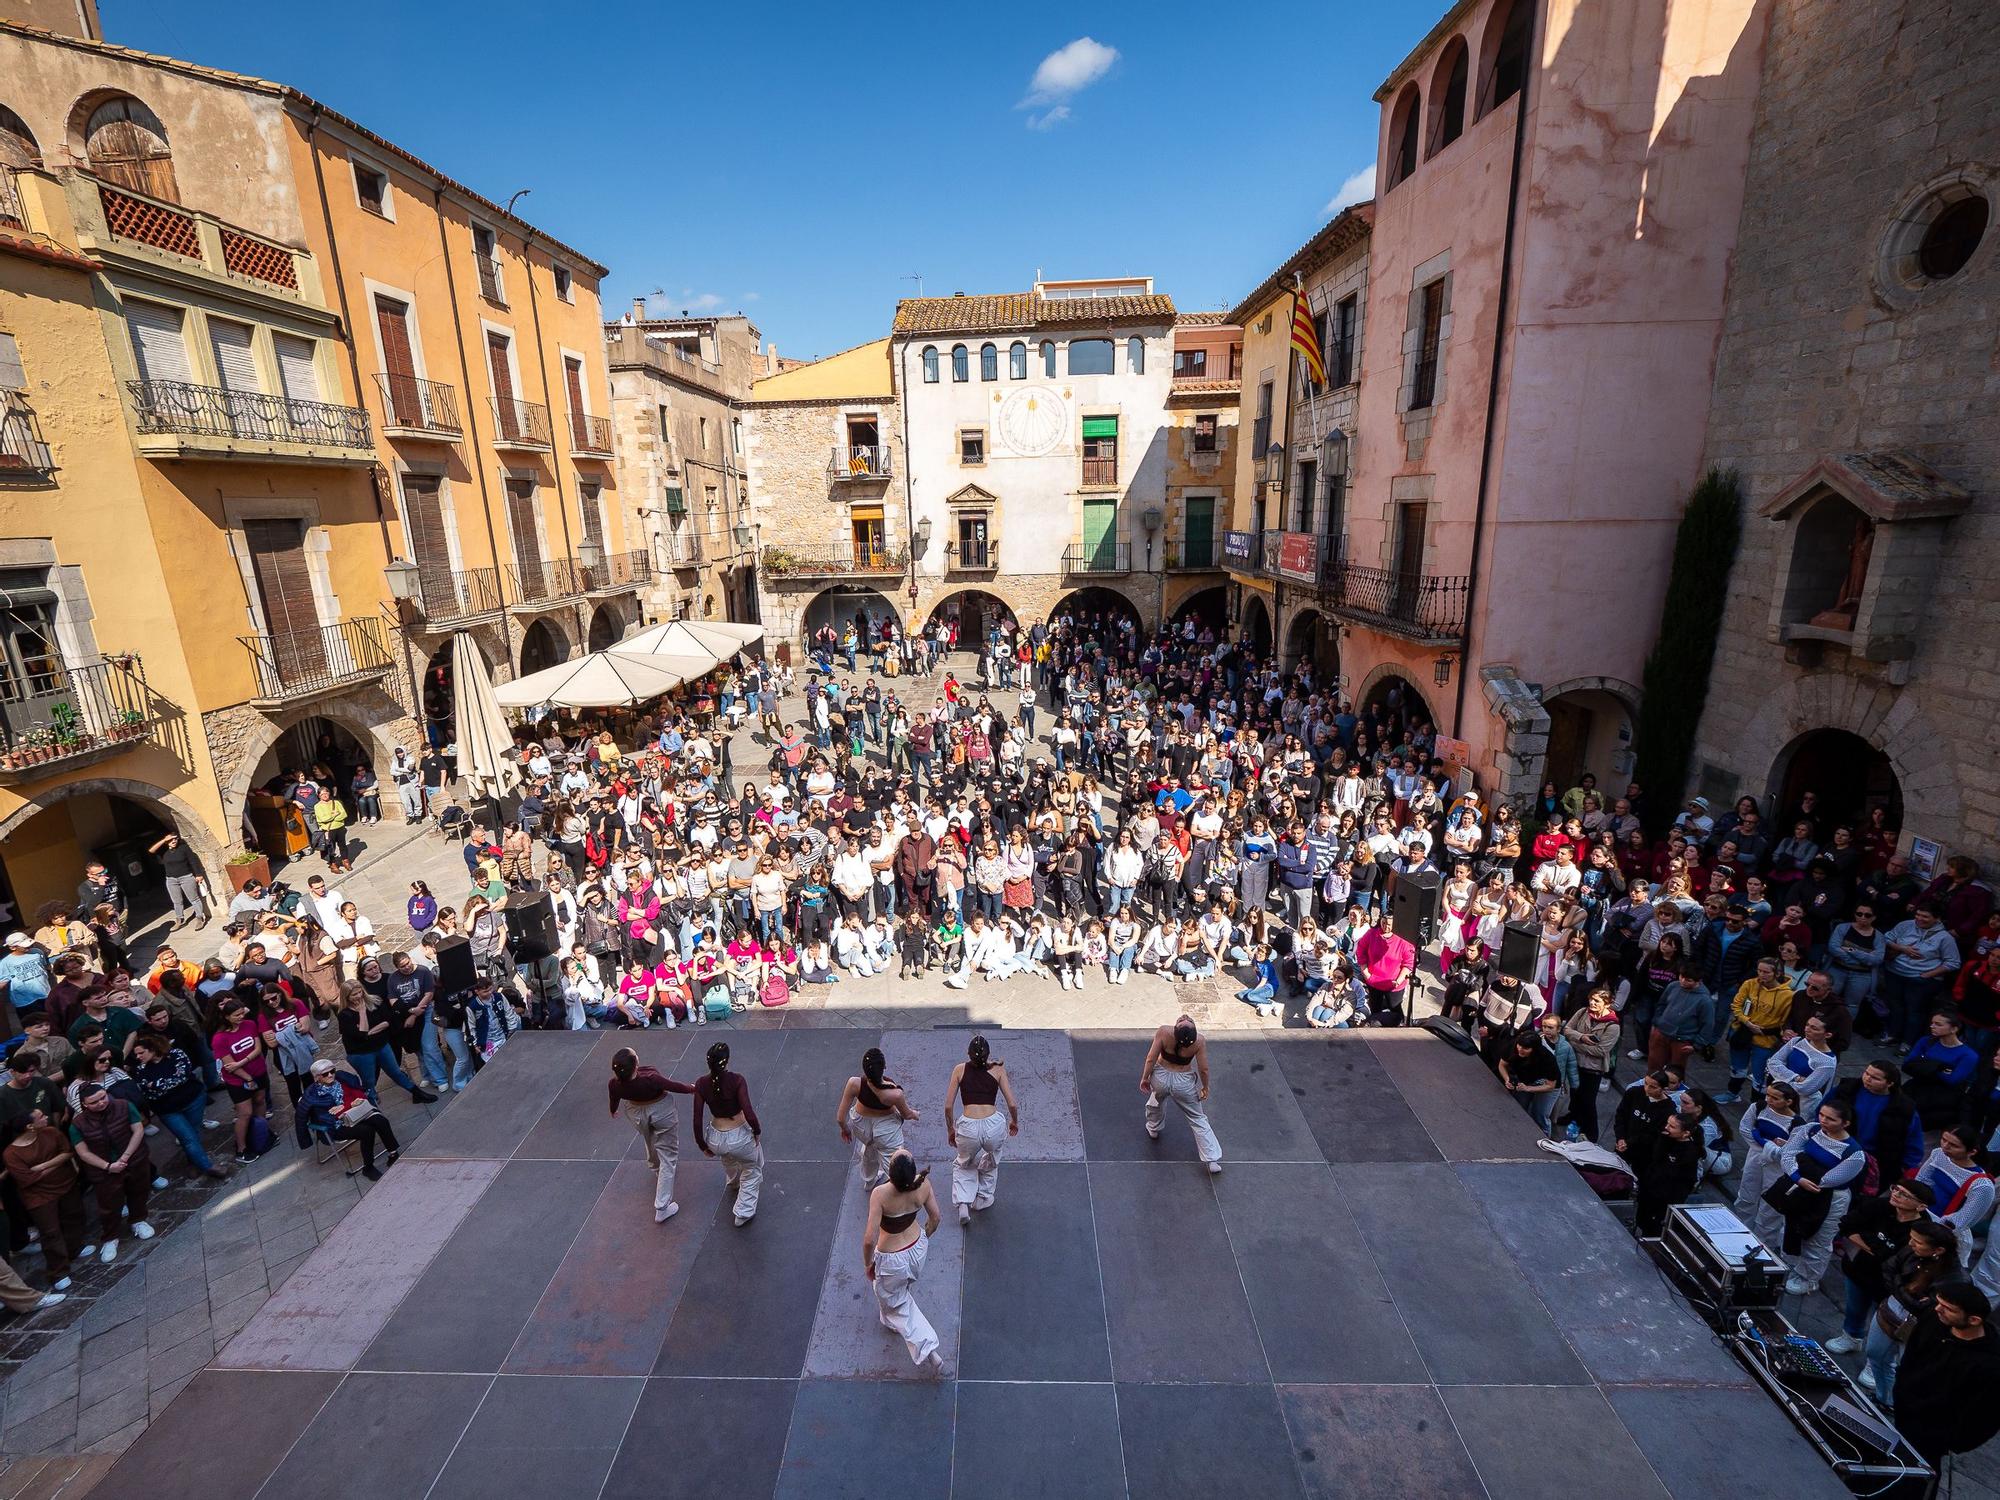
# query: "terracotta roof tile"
1201 319
1023 310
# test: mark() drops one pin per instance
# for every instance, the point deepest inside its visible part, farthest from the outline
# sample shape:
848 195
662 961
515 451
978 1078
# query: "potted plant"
246 866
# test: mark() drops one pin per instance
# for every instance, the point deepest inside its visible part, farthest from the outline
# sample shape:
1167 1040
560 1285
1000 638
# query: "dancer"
977 1134
893 1252
1172 1061
733 1133
643 1093
873 1108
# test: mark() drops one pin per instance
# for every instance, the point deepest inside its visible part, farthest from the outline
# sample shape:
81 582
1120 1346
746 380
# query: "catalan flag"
1305 339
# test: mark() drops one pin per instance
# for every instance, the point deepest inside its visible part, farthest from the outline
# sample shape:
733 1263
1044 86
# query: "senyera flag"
1305 338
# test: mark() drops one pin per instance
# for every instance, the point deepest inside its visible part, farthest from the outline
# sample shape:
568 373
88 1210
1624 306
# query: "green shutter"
1100 533
676 502
1098 427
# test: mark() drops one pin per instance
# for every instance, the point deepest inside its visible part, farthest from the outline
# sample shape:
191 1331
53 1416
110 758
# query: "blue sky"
797 167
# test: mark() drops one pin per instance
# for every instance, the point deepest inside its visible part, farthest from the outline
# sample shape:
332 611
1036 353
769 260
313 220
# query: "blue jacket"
1295 865
1685 1015
320 1100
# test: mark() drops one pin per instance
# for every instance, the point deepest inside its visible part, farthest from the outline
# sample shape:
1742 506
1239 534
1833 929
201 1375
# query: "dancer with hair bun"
733 1133
872 1109
644 1093
979 1132
1177 1056
893 1252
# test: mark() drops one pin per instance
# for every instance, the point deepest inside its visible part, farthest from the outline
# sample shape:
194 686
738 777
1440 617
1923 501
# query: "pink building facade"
1558 189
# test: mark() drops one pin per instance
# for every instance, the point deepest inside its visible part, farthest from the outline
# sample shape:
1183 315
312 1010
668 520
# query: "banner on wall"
1452 752
1297 556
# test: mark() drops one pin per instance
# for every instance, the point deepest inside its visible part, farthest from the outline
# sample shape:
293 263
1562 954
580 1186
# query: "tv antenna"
917 277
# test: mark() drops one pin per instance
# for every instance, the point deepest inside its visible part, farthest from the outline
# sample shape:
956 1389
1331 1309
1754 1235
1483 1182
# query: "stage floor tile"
1037 1439
1034 1302
221 1435
578 1124
1385 1442
1468 1117
1039 1065
1718 1444
1197 1442
1531 1442
1350 1103
848 1339
866 1439
538 1435
416 1420
700 1439
514 1090
795 1095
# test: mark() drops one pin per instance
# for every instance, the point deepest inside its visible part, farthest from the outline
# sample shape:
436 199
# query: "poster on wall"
1452 752
1925 856
1297 553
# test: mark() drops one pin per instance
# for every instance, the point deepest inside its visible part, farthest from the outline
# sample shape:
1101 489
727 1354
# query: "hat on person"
19 940
322 1065
1700 802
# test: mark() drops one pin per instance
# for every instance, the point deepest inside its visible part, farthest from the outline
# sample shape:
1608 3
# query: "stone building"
677 392
1201 465
1855 396
823 444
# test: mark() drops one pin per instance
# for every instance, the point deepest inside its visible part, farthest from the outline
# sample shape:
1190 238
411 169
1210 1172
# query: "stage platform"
1388 1292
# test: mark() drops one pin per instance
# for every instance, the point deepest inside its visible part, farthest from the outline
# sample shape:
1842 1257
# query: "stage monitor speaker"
1413 902
532 927
1520 946
456 970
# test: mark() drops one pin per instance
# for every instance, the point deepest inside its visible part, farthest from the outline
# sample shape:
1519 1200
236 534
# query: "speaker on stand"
1520 948
456 970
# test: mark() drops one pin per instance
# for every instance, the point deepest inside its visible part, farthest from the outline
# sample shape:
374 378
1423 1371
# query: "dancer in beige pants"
893 1252
734 1133
1177 1068
872 1110
644 1094
980 1130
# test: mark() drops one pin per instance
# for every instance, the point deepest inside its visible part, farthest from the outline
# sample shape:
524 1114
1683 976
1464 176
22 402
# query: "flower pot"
242 871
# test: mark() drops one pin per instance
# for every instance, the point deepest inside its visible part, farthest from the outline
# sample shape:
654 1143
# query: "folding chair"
331 1147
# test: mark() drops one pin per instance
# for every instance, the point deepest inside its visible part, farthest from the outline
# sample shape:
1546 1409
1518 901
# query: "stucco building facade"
1201 466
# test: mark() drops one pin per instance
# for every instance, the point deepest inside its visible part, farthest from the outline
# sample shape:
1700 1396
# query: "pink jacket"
1385 961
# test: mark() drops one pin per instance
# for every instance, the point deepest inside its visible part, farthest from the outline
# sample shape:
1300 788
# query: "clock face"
1033 420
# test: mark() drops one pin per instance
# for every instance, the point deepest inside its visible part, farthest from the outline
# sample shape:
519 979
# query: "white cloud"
1063 74
752 296
1358 188
693 301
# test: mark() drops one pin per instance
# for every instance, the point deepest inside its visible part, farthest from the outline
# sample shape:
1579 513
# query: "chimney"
771 365
638 309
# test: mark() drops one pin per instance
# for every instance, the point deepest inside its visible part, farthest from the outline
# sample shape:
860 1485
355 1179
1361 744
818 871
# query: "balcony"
315 663
1270 546
1193 554
1417 606
833 562
520 424
972 557
422 409
683 550
138 228
855 461
489 278
1081 559
539 584
23 454
56 721
1243 550
619 570
179 420
589 437
445 593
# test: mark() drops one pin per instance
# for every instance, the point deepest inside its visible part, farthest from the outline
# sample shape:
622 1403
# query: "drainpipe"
471 420
1493 380
542 364
898 386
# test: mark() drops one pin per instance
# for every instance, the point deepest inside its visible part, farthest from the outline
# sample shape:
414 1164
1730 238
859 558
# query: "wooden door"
503 385
579 429
430 542
1408 567
521 517
399 363
870 538
1198 529
1569 743
295 649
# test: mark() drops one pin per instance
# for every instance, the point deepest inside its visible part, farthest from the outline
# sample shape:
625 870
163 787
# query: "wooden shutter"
503 384
423 509
298 371
392 319
521 517
129 153
593 513
284 586
235 355
579 429
158 344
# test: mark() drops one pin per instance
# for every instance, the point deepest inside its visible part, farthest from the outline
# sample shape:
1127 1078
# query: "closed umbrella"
603 679
486 763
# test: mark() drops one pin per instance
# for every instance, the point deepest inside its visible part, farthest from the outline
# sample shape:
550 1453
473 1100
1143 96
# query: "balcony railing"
1243 550
519 424
589 436
23 454
973 557
683 550
58 719
412 405
550 578
176 408
135 218
1192 554
858 461
832 562
445 593
619 570
1081 558
1419 606
489 278
1100 471
325 659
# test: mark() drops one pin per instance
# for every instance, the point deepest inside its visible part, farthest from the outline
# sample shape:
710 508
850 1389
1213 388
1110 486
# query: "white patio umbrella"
603 679
485 762
717 639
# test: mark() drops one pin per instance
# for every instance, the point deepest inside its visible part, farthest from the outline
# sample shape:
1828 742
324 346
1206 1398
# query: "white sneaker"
1798 1286
661 1215
86 1252
108 1252
152 1130
322 1023
142 1230
1866 1378
1636 1055
60 1286
1215 1169
159 1184
50 1299
1842 1343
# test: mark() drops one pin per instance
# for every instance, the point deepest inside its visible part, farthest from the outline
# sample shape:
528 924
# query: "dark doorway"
1848 775
541 648
440 699
604 628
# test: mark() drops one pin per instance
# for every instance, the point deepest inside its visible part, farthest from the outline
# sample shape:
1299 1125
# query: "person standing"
872 1109
644 1095
1176 1068
1767 1128
1810 1194
184 885
734 1133
1593 1033
893 1252
43 1167
1948 1386
106 1136
1386 962
978 1133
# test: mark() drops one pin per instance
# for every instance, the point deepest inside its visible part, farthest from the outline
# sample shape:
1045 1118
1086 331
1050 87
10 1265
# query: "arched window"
961 369
17 142
989 362
127 145
1447 122
1092 357
1404 120
1503 56
930 364
1017 361
1135 355
1048 357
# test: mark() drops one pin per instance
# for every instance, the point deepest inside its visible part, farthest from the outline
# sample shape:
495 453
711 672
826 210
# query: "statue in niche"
1847 603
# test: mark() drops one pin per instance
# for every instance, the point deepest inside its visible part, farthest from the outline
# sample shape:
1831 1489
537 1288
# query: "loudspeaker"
455 967
531 925
1413 902
1520 947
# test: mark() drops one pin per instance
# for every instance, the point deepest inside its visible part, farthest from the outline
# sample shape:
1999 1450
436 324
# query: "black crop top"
897 1223
868 1098
1175 1056
977 1085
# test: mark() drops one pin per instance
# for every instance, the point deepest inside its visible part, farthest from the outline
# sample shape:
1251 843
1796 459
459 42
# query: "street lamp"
404 578
1441 670
590 554
920 539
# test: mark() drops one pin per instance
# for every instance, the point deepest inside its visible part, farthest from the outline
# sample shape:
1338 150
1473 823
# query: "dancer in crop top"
872 1109
646 1095
893 1252
979 1130
1176 1068
733 1132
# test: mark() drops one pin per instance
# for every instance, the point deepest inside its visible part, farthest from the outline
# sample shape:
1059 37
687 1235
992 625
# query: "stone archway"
1592 722
606 626
1376 685
168 805
1101 599
375 720
1256 629
544 644
1313 636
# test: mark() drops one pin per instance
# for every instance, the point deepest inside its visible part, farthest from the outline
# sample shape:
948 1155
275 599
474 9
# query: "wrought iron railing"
858 461
300 663
973 557
55 717
489 277
521 423
22 451
1100 470
1097 557
588 434
619 570
419 405
1422 606
1188 554
175 406
683 549
549 578
832 562
446 593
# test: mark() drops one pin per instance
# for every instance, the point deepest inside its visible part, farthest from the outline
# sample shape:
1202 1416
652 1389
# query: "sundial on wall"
1033 420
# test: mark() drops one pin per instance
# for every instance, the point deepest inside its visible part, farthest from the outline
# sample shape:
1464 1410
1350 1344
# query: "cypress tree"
1676 680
